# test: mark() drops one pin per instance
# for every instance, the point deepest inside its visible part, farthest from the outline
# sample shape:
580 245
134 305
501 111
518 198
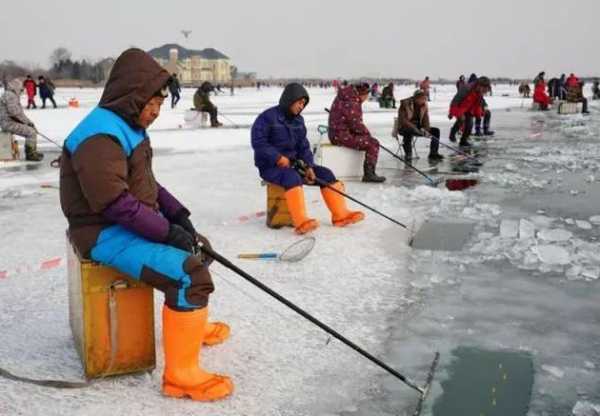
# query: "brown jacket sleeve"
101 167
404 118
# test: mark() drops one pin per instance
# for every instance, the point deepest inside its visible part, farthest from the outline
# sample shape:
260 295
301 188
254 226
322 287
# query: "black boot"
435 157
488 132
478 131
453 132
370 175
407 148
464 142
32 155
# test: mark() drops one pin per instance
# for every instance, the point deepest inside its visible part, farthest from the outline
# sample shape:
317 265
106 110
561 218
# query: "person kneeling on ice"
413 120
120 216
465 105
346 127
13 119
279 139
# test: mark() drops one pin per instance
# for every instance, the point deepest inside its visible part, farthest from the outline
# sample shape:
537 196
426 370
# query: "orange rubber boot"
216 333
340 215
183 334
295 202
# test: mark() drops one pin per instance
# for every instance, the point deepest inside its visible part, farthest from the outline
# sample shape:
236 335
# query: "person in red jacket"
572 81
466 104
539 94
31 89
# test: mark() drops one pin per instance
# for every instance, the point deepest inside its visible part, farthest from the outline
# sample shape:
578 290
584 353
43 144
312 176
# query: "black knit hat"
362 88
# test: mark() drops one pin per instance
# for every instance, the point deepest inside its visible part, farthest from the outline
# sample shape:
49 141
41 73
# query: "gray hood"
16 86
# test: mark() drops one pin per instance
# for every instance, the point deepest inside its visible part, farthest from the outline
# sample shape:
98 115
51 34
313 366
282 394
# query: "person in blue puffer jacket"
279 139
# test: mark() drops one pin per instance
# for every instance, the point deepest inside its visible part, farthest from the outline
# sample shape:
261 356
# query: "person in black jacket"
46 88
174 89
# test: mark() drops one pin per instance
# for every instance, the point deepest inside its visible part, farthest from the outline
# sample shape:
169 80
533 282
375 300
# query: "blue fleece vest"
103 121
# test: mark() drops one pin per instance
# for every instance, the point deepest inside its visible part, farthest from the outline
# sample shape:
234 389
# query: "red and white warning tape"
42 266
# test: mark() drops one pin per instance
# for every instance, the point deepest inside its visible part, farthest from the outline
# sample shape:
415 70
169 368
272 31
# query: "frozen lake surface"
526 280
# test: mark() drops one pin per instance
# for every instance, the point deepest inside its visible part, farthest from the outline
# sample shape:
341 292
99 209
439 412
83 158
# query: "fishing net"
298 250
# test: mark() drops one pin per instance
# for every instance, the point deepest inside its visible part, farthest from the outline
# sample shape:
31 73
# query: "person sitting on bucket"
202 103
466 104
279 139
120 216
346 127
413 120
13 119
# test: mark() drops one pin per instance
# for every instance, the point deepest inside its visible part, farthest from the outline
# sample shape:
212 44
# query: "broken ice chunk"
584 408
552 254
584 225
554 371
557 234
509 229
542 221
526 229
595 219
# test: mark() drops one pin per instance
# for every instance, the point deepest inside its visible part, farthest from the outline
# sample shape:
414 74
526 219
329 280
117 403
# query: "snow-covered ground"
527 279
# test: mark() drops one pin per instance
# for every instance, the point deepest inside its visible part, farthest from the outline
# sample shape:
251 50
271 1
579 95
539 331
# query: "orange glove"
283 162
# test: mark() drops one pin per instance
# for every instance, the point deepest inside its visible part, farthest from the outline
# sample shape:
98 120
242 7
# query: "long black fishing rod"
226 263
460 152
301 167
432 182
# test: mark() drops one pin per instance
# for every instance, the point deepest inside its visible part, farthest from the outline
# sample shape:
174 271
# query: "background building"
193 66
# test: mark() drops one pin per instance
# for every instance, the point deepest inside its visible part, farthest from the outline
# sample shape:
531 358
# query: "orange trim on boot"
295 202
340 215
183 334
216 333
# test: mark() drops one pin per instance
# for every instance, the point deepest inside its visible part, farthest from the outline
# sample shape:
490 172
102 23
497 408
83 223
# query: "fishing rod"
422 390
300 167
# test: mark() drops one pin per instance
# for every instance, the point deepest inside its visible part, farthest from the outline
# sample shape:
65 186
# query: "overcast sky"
328 38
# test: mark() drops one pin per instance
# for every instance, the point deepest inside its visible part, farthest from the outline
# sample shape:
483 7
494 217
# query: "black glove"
183 219
203 242
180 238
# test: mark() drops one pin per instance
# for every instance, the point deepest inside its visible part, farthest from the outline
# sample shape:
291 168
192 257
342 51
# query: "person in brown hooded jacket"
119 215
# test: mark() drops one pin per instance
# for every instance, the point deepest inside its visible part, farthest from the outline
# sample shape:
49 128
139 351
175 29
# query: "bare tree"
59 55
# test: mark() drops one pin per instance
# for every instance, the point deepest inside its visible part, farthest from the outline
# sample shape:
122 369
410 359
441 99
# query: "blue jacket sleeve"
303 149
260 141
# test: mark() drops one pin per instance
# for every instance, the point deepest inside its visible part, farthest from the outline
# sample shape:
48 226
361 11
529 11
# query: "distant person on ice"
174 89
119 215
346 127
487 119
387 98
596 90
31 91
278 139
46 91
13 119
461 82
466 104
575 95
413 120
539 92
202 103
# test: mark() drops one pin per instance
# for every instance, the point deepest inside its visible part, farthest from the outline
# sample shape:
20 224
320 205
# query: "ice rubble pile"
539 243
